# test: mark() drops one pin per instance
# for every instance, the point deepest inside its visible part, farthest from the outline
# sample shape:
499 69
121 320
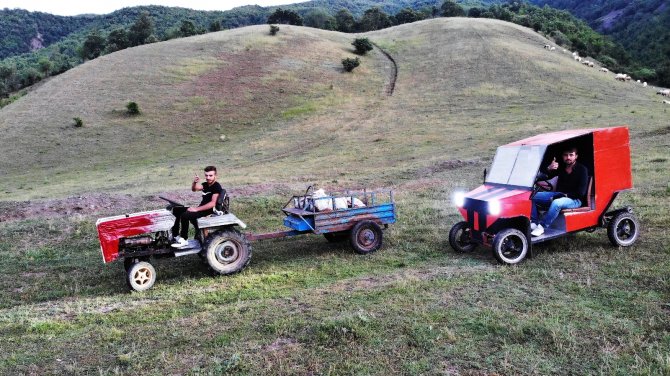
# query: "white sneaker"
533 226
539 230
179 242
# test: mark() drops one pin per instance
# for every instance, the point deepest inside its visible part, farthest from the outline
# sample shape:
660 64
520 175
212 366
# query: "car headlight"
494 207
459 199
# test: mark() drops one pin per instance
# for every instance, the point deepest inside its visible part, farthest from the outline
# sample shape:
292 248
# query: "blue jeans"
544 200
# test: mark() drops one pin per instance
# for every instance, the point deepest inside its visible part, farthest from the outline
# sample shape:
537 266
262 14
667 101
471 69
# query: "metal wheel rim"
227 252
625 230
511 247
367 238
463 237
142 276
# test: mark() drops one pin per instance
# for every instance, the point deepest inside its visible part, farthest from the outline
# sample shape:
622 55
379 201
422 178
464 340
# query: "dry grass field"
291 117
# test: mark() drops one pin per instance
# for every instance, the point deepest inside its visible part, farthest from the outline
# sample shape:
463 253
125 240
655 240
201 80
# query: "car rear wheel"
140 276
460 237
227 251
623 229
510 246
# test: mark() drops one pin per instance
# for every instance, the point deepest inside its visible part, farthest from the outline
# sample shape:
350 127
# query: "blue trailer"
357 216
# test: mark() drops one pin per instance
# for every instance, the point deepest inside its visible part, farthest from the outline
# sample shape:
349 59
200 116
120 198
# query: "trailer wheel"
366 237
227 251
140 276
623 229
336 237
510 246
460 237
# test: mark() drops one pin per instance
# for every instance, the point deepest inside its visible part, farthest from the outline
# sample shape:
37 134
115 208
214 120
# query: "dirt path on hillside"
393 76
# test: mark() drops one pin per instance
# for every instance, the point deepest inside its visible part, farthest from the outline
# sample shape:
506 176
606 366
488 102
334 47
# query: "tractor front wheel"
140 276
510 246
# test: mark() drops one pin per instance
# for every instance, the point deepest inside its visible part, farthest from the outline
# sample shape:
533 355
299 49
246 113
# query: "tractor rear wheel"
510 246
227 251
623 229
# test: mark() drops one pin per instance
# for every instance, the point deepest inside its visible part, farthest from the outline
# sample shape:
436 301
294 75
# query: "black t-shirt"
208 192
575 184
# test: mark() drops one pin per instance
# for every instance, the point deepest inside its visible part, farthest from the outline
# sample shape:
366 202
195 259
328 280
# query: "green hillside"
291 117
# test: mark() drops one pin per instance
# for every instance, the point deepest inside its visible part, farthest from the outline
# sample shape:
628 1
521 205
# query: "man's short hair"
210 168
569 148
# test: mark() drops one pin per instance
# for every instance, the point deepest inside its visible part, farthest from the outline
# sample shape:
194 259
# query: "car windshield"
516 165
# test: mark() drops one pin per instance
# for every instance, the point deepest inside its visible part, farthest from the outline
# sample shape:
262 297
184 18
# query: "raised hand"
553 165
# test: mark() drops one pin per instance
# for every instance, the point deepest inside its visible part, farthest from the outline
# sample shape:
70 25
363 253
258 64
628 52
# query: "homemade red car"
497 214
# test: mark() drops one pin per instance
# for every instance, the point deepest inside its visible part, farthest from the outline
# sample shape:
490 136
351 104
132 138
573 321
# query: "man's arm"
196 186
207 206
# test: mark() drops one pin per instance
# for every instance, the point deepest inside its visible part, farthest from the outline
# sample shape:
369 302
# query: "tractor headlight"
459 199
494 207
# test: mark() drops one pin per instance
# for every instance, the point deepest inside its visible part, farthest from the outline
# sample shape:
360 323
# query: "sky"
72 8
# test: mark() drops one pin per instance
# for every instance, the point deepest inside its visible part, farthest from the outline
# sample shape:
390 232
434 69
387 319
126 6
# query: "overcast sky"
72 8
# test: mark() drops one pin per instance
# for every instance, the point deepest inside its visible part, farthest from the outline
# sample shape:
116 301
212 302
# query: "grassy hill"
292 117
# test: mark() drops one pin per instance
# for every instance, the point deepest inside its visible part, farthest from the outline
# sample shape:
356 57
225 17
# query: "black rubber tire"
623 230
336 237
460 237
510 246
227 251
366 237
141 276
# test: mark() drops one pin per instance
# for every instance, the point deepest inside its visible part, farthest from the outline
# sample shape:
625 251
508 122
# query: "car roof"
553 137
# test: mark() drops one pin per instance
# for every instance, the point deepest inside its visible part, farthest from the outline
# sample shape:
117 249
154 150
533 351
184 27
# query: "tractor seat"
588 205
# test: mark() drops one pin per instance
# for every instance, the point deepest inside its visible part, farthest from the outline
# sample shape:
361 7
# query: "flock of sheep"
619 76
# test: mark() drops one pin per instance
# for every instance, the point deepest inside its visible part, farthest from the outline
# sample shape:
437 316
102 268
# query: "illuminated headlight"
494 207
459 199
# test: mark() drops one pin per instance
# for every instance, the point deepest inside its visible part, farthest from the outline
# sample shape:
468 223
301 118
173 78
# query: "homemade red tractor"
137 238
497 214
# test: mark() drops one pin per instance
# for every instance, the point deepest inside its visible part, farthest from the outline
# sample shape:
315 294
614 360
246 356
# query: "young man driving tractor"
211 189
571 189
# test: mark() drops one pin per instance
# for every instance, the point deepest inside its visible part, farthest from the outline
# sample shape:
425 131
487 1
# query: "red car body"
504 200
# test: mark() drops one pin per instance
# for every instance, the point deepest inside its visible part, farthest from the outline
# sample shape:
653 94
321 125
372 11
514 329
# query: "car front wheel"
510 246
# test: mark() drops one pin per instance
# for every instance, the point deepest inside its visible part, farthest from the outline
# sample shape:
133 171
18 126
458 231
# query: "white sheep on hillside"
603 69
644 84
666 102
622 77
664 92
552 48
639 82
546 46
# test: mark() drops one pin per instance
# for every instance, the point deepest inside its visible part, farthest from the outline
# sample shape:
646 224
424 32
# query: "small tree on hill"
274 29
349 64
451 9
362 45
215 26
117 40
133 108
374 19
281 16
187 28
93 46
141 30
345 21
